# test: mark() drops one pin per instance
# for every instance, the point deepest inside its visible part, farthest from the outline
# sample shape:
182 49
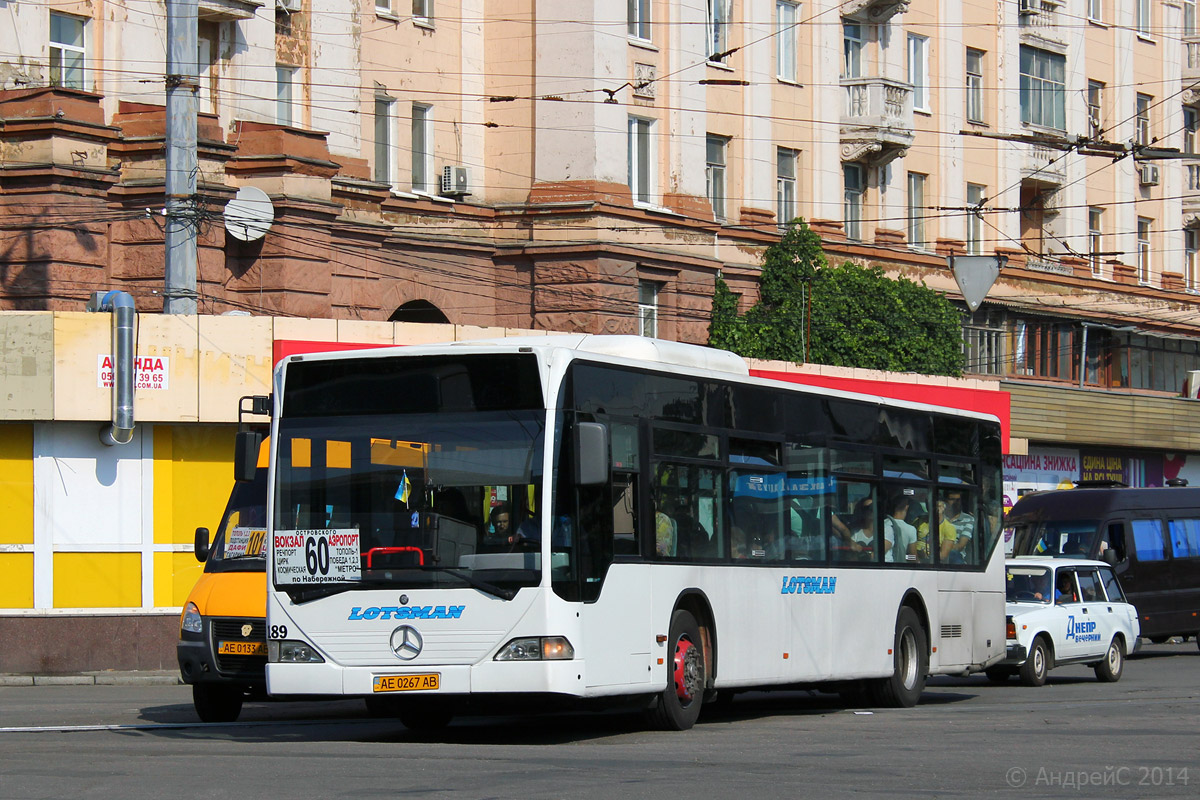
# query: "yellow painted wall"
97 580
174 576
193 474
16 485
16 586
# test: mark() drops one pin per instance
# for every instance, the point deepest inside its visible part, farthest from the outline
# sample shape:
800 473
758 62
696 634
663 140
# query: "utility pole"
179 296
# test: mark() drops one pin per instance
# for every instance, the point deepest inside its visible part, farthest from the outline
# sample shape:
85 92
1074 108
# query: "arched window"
418 311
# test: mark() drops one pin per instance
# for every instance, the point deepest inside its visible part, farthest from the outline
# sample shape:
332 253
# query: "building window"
1191 123
285 79
1095 109
785 185
1045 349
383 6
975 197
974 85
718 29
1142 131
983 342
853 47
639 19
1191 246
1095 10
384 115
1189 17
918 70
422 148
1141 17
1043 88
648 308
786 32
640 159
854 180
916 210
422 11
1095 239
714 174
66 51
1143 249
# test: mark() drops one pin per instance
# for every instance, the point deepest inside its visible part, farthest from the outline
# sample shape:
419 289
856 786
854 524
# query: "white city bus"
618 520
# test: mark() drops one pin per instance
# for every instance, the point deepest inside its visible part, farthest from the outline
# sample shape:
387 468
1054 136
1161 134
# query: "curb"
95 679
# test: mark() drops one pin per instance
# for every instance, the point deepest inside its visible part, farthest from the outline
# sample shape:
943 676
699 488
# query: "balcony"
874 11
877 120
1039 19
227 10
1191 61
1043 166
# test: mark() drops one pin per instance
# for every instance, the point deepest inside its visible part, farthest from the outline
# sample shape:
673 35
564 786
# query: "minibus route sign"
328 555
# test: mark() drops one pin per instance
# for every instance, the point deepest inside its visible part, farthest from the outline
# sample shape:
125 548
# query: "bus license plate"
406 683
242 648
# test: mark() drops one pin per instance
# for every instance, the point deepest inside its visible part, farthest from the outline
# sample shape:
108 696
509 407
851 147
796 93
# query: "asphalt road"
1074 737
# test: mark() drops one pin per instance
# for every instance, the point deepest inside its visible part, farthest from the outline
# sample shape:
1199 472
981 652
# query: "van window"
1089 586
1111 586
1148 540
1185 537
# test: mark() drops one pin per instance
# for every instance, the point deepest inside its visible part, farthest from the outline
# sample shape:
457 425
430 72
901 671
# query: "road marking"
158 726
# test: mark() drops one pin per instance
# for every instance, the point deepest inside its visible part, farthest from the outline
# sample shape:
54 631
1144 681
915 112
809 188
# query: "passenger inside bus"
899 537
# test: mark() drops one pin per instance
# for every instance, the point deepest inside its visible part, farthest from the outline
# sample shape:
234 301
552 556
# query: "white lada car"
1065 611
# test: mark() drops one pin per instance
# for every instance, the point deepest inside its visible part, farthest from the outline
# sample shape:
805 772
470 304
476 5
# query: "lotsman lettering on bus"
414 612
804 584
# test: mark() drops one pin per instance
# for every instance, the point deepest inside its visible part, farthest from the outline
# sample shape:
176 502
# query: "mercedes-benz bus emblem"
407 642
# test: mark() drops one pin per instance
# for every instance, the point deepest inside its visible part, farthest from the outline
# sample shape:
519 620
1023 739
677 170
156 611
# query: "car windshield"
1028 584
1061 538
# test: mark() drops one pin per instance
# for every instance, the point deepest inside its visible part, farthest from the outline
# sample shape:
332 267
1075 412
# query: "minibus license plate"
406 683
242 648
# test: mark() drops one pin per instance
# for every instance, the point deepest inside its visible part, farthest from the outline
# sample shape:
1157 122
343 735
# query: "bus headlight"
192 622
537 648
291 651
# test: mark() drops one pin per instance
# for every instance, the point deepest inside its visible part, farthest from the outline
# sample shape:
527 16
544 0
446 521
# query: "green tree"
859 317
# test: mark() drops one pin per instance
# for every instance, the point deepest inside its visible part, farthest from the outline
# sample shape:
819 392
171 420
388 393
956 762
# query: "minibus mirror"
1109 557
201 545
591 454
245 455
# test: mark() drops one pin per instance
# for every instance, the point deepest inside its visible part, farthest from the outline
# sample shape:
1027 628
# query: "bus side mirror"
245 455
201 545
1109 557
591 454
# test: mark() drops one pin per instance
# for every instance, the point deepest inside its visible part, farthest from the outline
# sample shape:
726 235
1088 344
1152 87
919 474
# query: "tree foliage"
859 316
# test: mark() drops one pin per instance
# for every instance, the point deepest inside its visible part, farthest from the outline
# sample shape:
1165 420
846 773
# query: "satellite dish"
248 216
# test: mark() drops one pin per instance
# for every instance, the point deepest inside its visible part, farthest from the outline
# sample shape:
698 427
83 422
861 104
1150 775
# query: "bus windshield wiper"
483 586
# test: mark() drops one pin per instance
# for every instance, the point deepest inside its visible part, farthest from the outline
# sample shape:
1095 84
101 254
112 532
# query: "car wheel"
678 705
217 702
1109 670
998 674
1037 664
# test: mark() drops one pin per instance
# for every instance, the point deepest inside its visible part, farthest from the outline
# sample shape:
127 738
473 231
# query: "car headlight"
192 622
537 648
292 651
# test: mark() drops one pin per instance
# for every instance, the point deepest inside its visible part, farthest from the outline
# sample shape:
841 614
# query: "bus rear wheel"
910 659
678 706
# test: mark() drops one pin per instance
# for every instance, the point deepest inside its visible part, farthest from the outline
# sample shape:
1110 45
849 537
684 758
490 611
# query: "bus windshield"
412 500
1064 538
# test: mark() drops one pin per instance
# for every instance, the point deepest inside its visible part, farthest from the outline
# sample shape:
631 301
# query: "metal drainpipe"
121 306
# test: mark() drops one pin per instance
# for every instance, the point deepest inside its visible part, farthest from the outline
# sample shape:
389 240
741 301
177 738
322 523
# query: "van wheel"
1037 664
216 702
678 706
1109 670
910 665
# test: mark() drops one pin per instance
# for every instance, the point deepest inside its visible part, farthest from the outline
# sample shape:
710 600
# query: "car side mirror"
201 545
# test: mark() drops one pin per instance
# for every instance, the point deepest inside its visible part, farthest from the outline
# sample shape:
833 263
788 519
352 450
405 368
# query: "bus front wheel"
678 706
910 660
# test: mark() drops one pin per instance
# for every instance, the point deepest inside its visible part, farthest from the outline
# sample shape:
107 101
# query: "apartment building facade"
594 165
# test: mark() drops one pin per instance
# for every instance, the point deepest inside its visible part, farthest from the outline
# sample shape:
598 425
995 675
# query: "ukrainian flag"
1040 547
404 490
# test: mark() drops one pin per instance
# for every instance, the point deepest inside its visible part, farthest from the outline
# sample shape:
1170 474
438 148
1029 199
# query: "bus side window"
1148 543
624 515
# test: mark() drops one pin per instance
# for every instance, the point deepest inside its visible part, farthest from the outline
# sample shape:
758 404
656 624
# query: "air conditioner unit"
1027 6
455 181
1191 387
1148 175
290 6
